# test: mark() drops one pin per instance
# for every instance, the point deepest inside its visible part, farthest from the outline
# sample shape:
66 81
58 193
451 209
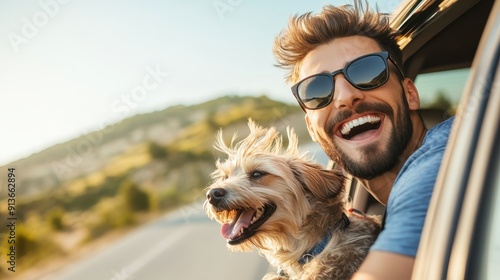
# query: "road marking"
140 262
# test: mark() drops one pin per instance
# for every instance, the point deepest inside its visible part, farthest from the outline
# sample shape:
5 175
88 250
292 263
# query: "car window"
441 90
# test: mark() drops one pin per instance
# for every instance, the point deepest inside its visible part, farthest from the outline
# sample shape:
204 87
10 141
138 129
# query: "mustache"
343 115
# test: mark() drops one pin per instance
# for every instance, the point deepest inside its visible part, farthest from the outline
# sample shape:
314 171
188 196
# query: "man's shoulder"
439 133
419 172
432 148
430 153
444 125
422 167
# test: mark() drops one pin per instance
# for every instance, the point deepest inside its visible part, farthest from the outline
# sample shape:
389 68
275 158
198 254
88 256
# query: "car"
450 43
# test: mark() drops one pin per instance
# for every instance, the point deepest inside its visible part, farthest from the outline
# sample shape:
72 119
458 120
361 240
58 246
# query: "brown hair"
306 32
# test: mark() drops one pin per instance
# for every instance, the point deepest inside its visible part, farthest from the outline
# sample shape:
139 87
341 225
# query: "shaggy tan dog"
288 207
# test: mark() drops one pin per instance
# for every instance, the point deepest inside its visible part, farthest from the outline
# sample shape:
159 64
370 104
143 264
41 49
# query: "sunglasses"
365 73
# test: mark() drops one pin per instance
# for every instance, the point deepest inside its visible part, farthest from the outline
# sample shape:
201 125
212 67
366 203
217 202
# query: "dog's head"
262 193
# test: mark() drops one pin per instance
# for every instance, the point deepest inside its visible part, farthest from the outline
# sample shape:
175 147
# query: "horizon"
71 67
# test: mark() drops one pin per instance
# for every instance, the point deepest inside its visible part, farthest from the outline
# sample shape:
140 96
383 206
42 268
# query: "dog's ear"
321 182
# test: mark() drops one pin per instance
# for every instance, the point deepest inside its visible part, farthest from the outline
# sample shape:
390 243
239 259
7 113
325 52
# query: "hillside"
55 165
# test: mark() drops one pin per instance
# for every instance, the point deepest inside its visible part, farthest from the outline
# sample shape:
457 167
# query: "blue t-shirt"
410 195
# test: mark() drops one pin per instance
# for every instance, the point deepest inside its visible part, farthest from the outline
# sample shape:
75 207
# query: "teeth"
346 128
226 216
257 215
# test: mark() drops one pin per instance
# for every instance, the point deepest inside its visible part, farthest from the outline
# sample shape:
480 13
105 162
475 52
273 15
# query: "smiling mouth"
350 129
244 223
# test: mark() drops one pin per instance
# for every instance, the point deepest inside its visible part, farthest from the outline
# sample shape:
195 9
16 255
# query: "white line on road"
141 261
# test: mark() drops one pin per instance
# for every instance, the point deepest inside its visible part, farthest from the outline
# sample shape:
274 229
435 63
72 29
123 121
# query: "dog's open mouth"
245 223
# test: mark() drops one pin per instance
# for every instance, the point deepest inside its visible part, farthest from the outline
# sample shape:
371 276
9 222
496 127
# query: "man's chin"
366 163
368 168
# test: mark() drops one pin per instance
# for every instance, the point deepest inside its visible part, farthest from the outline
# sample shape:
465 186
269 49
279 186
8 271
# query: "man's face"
364 131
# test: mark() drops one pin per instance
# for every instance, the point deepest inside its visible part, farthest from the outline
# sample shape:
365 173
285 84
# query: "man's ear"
411 94
310 129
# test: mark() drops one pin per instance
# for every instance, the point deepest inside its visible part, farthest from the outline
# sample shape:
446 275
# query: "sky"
69 67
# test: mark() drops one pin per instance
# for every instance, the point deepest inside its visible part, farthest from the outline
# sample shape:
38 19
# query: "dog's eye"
256 174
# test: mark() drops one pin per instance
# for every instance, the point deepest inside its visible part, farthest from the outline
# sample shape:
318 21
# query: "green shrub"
134 198
55 219
157 151
31 246
107 215
170 199
93 194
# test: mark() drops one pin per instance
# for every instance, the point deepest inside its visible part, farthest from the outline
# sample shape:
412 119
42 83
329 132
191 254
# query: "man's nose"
346 95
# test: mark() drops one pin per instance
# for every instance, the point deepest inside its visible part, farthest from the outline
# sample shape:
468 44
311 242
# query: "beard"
376 160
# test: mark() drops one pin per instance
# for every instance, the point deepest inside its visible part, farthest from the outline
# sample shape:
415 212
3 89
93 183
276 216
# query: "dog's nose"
214 196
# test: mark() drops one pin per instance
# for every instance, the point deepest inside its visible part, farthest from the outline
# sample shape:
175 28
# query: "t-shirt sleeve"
408 203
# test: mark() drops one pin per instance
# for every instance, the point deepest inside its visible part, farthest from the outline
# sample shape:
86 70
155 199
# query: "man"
346 70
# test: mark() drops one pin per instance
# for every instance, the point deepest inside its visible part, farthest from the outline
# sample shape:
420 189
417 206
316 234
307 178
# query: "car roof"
439 35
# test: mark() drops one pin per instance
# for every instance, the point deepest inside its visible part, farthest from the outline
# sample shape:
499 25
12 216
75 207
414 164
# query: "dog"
288 207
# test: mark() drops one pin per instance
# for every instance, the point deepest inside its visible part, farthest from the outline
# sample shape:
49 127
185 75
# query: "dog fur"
309 206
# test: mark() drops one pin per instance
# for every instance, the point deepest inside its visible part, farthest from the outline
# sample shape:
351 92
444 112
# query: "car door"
461 237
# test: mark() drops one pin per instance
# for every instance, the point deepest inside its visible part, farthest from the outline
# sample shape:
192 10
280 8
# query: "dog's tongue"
229 231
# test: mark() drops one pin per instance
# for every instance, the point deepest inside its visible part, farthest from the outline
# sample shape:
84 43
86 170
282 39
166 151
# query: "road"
182 245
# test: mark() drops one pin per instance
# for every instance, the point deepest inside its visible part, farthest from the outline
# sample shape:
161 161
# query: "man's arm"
386 266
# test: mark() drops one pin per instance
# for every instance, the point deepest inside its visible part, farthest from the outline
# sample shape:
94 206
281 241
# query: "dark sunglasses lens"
316 91
368 73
